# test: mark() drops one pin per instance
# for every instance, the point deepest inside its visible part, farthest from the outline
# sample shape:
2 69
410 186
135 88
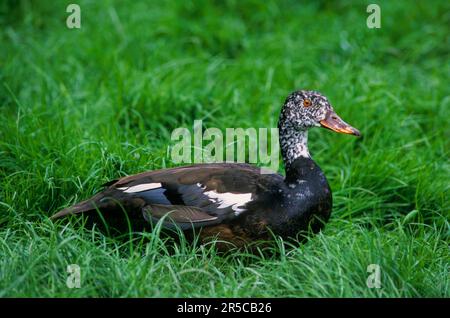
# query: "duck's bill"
333 122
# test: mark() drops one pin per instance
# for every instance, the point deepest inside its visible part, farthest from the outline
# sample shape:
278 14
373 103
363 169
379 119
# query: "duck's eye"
307 102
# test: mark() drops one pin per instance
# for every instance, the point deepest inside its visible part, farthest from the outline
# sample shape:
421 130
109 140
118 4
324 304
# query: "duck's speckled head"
305 109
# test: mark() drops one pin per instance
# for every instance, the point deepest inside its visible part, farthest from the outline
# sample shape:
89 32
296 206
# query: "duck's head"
306 109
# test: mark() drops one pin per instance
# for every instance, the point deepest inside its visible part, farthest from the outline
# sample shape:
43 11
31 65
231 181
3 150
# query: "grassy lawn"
79 107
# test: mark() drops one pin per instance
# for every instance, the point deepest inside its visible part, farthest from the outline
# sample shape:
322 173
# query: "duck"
232 203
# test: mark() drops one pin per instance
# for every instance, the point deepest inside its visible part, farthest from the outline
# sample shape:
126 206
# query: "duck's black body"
231 202
186 195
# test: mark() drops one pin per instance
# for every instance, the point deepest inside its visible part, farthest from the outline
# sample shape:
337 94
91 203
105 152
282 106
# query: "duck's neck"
294 149
294 144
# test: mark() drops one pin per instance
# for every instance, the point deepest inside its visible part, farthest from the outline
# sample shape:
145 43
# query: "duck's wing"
193 196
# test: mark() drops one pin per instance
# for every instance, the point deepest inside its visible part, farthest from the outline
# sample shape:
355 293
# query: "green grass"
80 107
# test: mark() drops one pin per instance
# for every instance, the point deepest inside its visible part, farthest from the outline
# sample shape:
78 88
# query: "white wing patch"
140 187
227 199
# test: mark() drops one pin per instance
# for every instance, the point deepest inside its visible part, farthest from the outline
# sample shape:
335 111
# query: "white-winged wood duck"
230 201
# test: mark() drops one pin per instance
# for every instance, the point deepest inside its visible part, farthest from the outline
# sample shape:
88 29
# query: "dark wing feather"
186 217
215 176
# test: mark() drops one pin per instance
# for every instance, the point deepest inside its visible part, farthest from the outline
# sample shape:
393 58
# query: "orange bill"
333 122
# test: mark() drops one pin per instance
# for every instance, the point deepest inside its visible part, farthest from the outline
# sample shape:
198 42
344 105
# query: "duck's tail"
83 206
